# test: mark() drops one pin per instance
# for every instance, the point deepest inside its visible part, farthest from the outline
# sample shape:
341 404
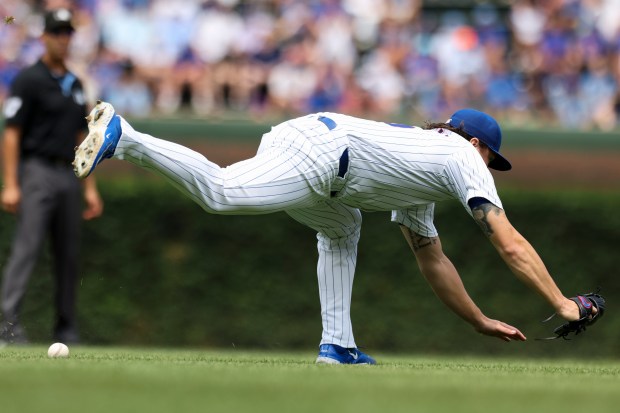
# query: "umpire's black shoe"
13 333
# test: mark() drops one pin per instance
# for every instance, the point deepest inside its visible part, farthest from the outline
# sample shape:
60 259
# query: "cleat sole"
86 154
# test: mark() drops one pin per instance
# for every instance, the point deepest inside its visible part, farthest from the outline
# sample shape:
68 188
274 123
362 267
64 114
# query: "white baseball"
58 350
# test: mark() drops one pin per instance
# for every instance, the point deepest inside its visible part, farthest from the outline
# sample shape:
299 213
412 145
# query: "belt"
50 160
343 165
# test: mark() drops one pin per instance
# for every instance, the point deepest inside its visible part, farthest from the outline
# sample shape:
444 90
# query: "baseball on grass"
58 350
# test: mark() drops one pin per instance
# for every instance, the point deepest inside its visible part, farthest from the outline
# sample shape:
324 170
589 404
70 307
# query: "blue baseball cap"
484 127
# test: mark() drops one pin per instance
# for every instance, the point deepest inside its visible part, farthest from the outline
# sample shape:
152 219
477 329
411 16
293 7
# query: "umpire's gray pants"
50 204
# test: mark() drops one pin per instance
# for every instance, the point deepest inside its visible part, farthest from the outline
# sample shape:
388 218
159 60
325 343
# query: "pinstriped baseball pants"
295 170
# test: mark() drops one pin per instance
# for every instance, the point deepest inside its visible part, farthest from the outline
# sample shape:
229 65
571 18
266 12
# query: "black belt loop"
343 167
344 163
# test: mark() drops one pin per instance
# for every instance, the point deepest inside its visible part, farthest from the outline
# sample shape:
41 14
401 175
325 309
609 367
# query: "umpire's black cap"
58 20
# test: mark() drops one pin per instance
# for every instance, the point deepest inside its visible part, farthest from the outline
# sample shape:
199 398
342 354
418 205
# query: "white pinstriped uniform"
391 168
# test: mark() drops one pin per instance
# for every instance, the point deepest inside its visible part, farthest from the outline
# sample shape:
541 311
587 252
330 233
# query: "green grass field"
150 380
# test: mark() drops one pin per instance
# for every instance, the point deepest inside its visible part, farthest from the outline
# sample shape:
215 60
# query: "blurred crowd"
538 62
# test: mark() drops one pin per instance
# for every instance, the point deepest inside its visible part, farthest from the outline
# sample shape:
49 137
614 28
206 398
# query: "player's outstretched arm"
522 259
445 281
10 191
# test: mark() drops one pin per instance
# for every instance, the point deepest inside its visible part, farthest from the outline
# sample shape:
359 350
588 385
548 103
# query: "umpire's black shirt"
50 111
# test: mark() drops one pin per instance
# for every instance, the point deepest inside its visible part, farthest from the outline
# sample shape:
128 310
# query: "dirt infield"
562 169
535 169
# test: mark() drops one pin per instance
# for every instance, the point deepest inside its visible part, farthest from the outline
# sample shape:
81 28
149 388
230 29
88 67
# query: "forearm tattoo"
418 241
481 214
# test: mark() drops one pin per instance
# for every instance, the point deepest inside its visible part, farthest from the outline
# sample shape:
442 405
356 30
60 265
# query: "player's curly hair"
451 128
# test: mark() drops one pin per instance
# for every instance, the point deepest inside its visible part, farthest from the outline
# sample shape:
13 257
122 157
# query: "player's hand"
94 204
11 197
569 310
499 329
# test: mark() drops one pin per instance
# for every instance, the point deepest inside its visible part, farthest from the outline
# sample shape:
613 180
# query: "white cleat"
104 132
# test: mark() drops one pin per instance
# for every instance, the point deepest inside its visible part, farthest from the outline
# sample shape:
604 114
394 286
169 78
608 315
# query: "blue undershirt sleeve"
477 201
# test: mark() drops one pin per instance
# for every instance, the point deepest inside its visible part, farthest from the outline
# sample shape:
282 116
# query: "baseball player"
322 170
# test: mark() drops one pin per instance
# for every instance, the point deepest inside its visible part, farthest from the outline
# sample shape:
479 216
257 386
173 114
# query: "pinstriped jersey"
407 169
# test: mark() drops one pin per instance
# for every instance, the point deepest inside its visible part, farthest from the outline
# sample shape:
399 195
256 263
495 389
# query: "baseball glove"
586 303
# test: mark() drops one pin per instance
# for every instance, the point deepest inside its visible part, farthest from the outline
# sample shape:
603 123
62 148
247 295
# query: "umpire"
44 120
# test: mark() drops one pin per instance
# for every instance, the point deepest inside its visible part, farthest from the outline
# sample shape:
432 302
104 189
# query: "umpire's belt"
50 160
343 165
